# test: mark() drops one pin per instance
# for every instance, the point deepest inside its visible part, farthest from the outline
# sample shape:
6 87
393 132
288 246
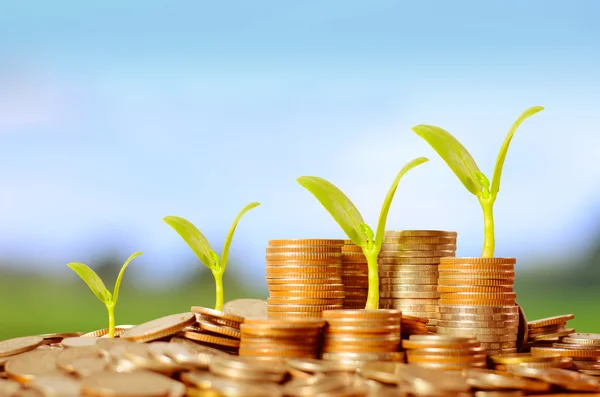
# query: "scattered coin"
14 346
159 328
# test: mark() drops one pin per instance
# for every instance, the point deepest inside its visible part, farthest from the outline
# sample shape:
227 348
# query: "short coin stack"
278 339
304 277
355 276
362 335
579 347
444 352
215 328
477 299
408 270
546 331
414 326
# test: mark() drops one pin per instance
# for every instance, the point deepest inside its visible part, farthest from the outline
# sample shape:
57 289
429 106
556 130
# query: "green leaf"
120 277
366 231
194 238
453 153
504 149
225 255
340 207
93 281
387 202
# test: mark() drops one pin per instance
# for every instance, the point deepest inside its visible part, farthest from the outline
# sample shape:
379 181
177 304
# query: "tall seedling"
463 165
99 289
201 247
345 213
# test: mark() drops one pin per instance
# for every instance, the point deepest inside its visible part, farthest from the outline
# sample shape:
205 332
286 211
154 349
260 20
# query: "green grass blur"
35 305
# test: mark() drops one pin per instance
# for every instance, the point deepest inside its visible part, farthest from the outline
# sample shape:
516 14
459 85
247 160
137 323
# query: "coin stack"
408 270
355 276
362 335
277 339
546 331
304 277
215 328
413 326
577 346
505 361
477 299
446 352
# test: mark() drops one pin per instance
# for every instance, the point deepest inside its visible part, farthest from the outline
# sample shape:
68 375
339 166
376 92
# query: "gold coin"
300 308
498 274
303 248
417 247
416 254
408 268
294 314
159 328
320 241
348 356
138 384
403 294
553 335
291 324
306 287
483 282
440 351
421 233
219 329
218 315
213 340
477 331
312 276
431 358
477 267
519 358
79 342
407 261
475 289
583 339
305 301
580 354
307 294
408 281
304 262
408 288
488 379
403 274
412 301
23 344
479 260
277 270
556 320
303 256
479 317
420 240
302 280
475 309
362 322
26 366
478 324
480 302
569 380
371 314
102 332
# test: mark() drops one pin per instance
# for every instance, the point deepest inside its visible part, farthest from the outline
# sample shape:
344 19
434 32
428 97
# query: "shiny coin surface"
133 384
19 345
159 328
27 366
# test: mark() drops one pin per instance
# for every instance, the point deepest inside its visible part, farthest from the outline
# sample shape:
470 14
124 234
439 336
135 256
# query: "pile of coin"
546 331
581 348
411 325
477 299
408 270
444 352
304 277
355 276
505 361
277 339
362 335
214 328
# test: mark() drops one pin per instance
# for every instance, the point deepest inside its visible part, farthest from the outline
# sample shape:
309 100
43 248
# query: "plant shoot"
201 247
99 289
463 165
345 213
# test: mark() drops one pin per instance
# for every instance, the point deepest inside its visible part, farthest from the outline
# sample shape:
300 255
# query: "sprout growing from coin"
464 166
201 247
99 289
345 213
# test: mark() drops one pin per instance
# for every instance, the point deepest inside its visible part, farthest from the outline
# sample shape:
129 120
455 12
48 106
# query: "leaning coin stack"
477 299
546 331
215 328
414 326
304 277
408 270
505 361
579 347
278 339
446 352
362 335
355 276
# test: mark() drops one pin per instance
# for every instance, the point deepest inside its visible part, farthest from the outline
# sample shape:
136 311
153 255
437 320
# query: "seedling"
201 247
463 165
99 289
345 213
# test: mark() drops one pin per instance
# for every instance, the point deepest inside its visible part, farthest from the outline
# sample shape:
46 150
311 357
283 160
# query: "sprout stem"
488 228
373 294
111 320
218 290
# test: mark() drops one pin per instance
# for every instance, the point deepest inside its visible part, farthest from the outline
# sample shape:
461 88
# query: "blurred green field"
36 305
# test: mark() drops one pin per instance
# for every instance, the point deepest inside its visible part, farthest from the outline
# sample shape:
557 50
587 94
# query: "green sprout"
345 213
201 247
99 289
463 165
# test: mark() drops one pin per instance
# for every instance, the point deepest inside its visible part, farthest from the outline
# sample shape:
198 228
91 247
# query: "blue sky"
116 114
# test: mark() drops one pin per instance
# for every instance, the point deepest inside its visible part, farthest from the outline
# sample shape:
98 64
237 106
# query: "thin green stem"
218 289
111 319
373 294
488 227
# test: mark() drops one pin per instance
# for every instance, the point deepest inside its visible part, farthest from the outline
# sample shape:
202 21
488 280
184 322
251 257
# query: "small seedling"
99 289
345 213
201 247
463 165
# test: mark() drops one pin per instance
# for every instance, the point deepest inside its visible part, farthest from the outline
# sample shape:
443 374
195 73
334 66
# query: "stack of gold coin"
477 299
579 347
304 277
546 331
354 332
444 352
408 270
355 276
215 328
505 361
278 339
411 325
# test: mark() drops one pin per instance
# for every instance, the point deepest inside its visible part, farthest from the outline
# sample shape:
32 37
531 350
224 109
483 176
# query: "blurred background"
115 114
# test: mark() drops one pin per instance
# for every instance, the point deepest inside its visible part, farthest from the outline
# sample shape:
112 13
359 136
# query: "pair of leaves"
200 245
460 160
95 283
345 213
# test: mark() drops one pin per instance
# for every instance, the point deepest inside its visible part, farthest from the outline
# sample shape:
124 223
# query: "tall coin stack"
477 299
304 277
355 276
408 271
